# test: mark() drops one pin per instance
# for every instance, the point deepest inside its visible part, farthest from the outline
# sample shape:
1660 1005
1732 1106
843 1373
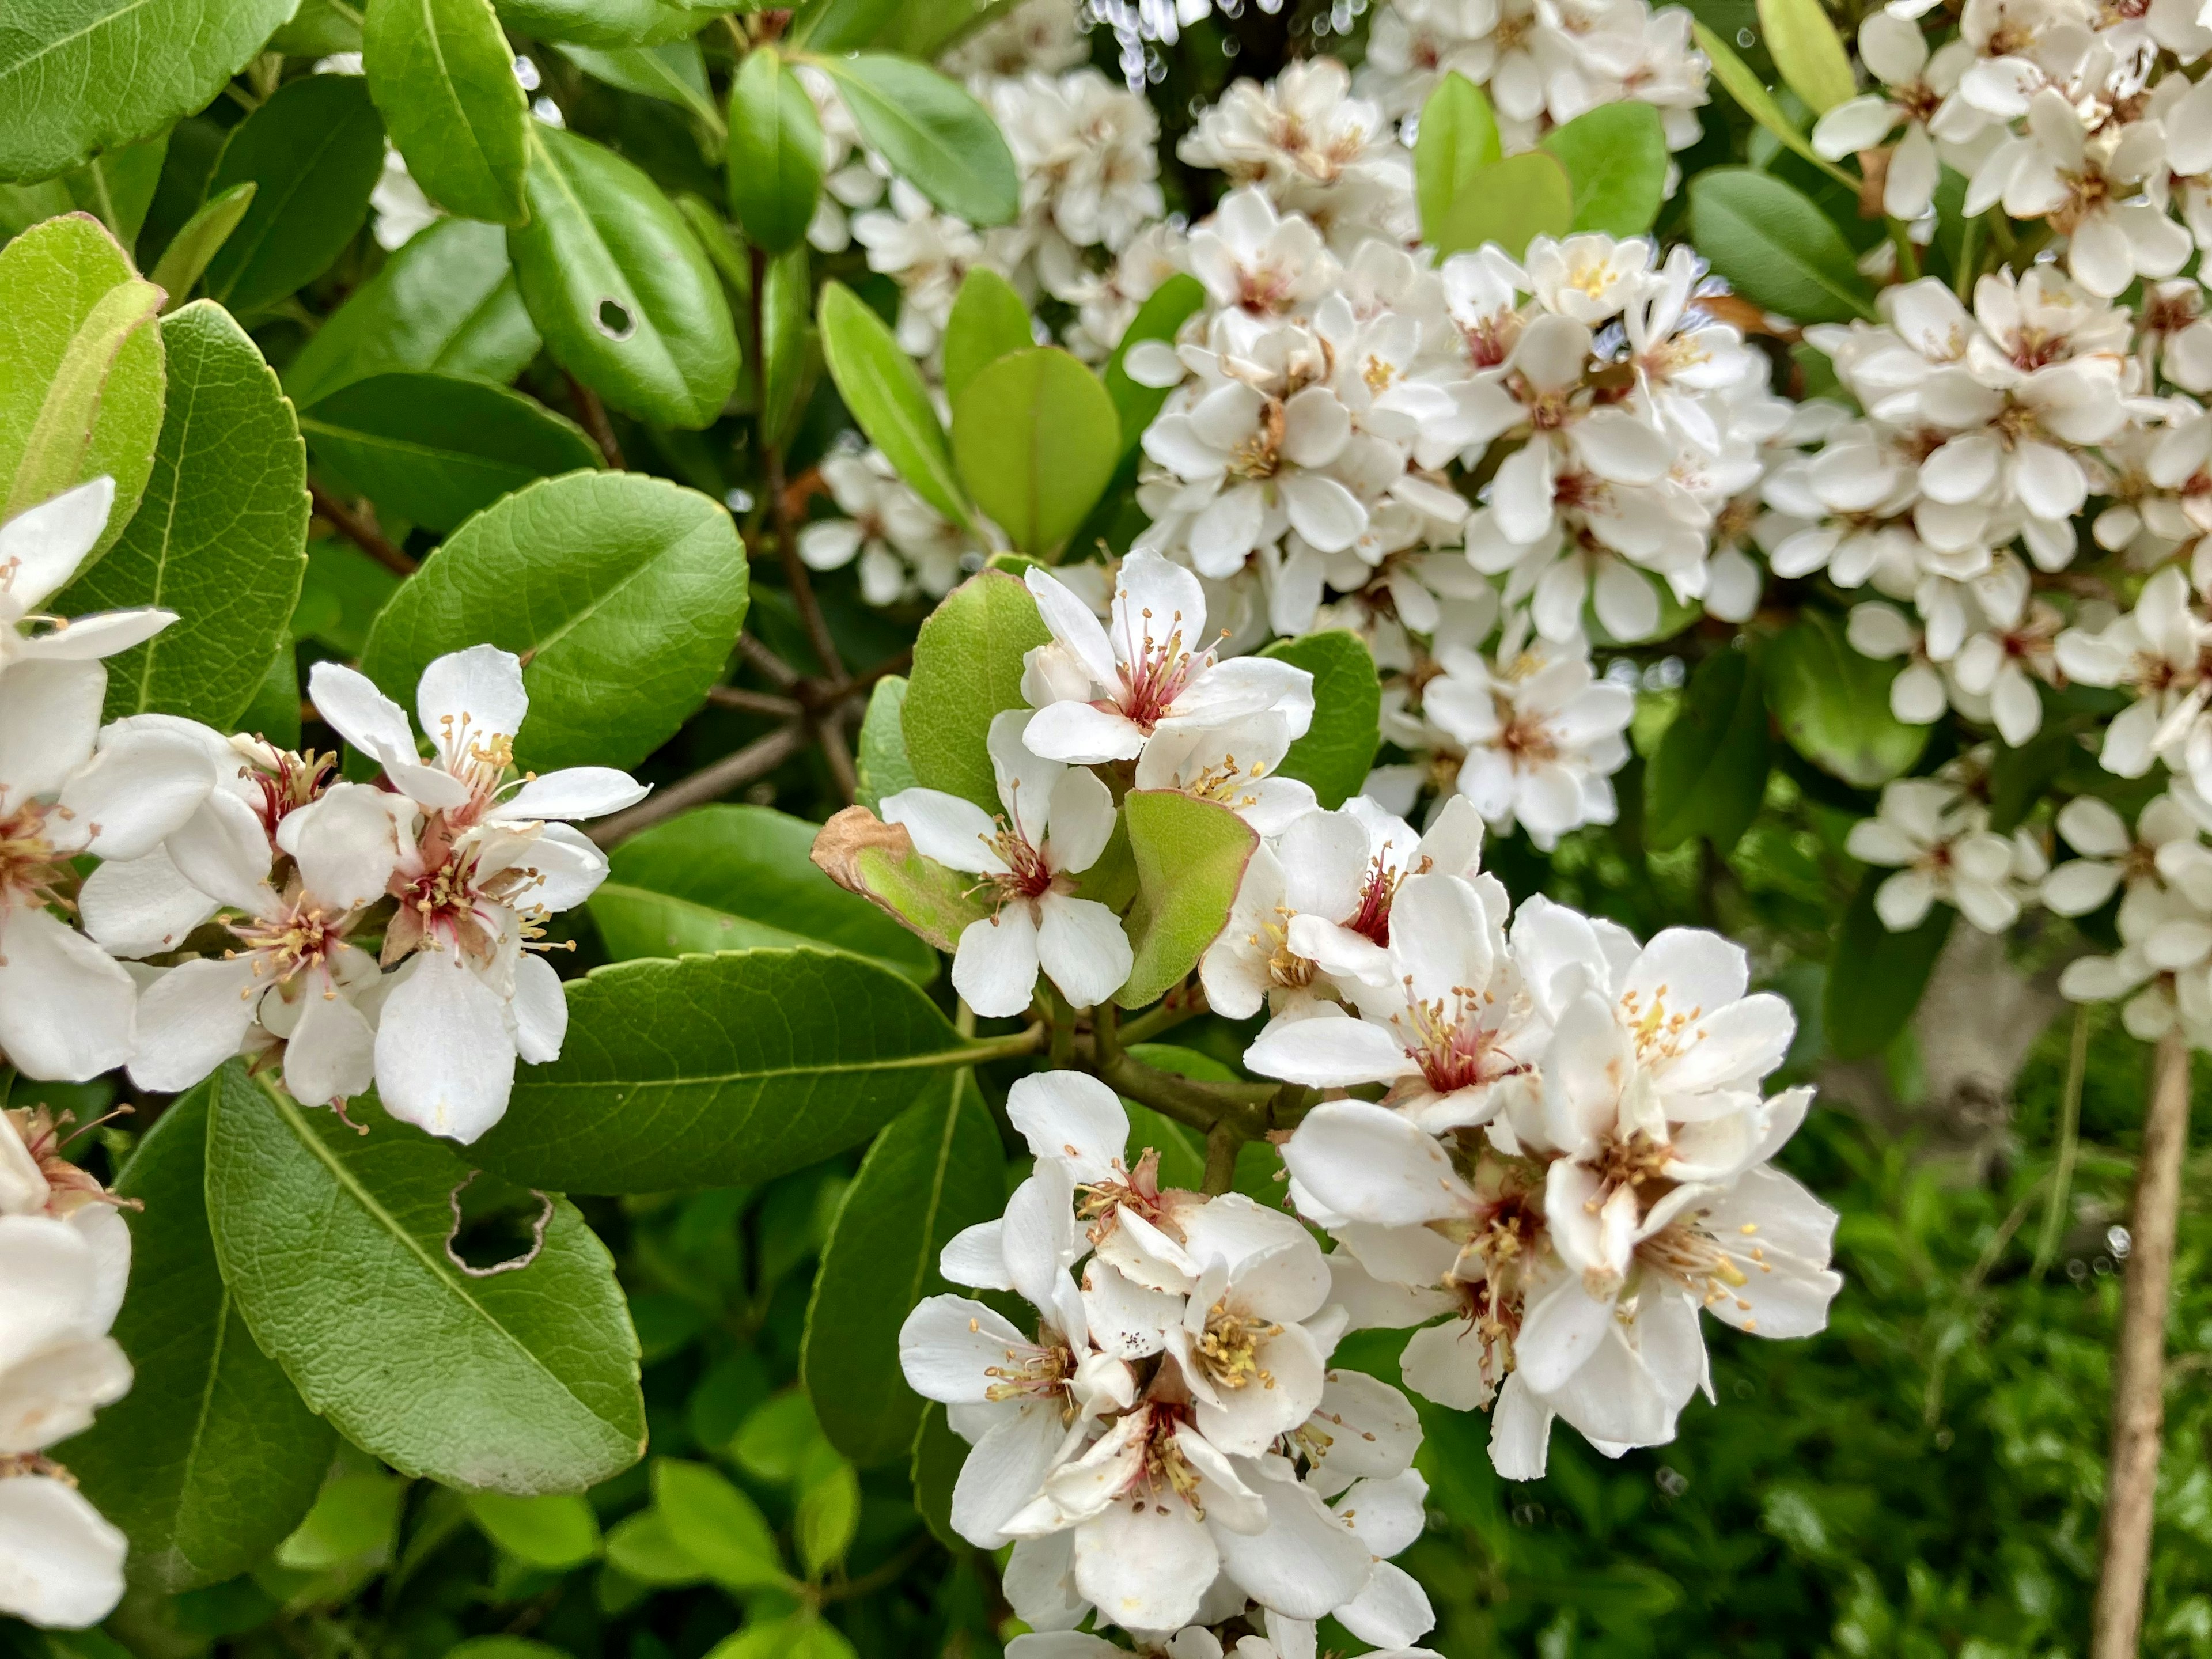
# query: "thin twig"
750 649
829 731
755 703
733 771
2070 1139
359 530
592 415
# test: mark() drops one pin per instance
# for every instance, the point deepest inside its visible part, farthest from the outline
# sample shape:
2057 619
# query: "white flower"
1233 766
1915 87
2090 189
1944 851
903 544
1316 150
2110 854
1058 819
2158 651
61 1563
39 550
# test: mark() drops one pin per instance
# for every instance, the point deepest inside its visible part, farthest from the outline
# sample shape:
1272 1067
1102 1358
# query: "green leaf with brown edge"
1338 749
937 1168
443 76
1775 247
877 861
1509 203
1035 437
1808 52
1190 856
1457 139
1833 704
315 151
1160 318
988 321
1616 158
212 1458
1876 977
1710 775
881 387
81 371
775 164
525 1382
967 670
718 1071
182 263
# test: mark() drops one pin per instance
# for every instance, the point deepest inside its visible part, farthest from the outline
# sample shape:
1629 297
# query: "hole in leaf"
499 1230
615 322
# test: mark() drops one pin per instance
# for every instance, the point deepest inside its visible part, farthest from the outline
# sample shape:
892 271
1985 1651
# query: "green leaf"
802 1636
221 536
318 28
1160 318
447 301
1190 856
966 668
1709 774
555 1531
608 22
624 592
355 1520
828 1516
988 321
526 1381
643 1546
1751 96
786 341
881 387
185 259
878 862
675 72
734 878
1457 139
211 1459
937 1168
80 76
938 1454
315 151
626 299
1508 202
710 1521
436 448
717 1071
1035 437
842 25
273 711
1876 977
1338 749
1808 52
443 77
80 375
935 136
1833 704
880 754
780 1438
1616 158
1775 247
117 188
775 152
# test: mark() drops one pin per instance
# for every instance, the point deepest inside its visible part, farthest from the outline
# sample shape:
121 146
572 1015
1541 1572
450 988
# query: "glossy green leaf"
966 668
315 151
1709 774
1616 159
933 135
1508 202
1808 52
117 187
936 1168
626 299
611 23
183 262
1752 97
829 1517
1876 977
879 756
220 538
443 76
80 374
937 1455
714 1071
1337 751
1775 247
1833 704
675 72
1035 437
842 25
317 28
354 1522
80 76
787 342
212 1458
732 877
436 448
710 1521
775 152
524 1381
879 384
445 301
554 1531
1160 318
988 321
625 593
1457 139
1190 855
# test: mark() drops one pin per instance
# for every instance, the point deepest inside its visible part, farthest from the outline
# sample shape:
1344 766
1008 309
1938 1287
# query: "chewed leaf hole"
615 322
500 1230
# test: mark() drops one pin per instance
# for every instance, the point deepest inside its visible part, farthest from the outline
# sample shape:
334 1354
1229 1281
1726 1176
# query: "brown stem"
733 771
358 530
768 662
592 415
2139 1363
1222 1142
786 539
829 731
755 703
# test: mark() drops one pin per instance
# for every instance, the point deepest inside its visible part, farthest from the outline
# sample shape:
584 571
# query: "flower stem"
1222 1144
2070 1143
1011 1046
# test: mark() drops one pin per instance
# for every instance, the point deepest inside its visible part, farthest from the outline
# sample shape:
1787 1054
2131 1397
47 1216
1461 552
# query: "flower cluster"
2163 871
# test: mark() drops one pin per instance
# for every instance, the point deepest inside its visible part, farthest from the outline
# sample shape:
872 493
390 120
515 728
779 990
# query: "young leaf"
555 1531
717 1525
1190 856
1458 138
185 259
222 538
879 384
642 1548
1751 96
1508 203
98 74
1616 159
626 299
988 321
1158 319
1035 437
1808 52
1833 704
968 668
1876 977
1709 774
793 359
714 1071
314 151
1775 247
879 756
935 136
775 152
442 75
525 1382
1335 754
828 1516
625 593
734 878
212 1458
436 448
935 1170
